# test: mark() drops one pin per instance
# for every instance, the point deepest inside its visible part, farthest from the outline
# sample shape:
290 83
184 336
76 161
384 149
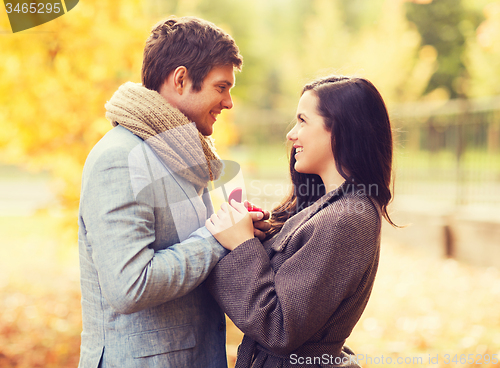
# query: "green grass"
262 161
11 172
470 160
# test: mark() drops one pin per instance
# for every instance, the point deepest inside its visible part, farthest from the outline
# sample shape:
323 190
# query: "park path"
23 196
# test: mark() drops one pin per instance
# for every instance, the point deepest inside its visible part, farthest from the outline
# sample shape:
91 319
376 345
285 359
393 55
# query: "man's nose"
227 103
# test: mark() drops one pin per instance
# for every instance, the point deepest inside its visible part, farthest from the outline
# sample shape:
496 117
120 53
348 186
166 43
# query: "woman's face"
311 141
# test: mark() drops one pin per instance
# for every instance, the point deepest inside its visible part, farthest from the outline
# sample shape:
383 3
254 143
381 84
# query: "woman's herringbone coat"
298 296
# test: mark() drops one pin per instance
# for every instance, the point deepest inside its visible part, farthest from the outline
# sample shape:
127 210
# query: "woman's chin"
300 169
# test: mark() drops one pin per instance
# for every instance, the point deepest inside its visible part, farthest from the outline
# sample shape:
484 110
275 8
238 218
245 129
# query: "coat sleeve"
120 227
281 310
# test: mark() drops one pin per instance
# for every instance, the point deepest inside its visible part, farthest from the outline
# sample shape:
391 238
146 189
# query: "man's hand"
260 225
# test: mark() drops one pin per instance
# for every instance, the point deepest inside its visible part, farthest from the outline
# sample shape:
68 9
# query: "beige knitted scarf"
167 131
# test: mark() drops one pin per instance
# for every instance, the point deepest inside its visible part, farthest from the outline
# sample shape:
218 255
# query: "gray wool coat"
298 296
143 261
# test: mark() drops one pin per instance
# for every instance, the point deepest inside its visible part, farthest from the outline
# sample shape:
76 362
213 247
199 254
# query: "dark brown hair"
188 41
361 139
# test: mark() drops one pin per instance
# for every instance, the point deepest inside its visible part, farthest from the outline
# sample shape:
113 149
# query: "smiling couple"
159 268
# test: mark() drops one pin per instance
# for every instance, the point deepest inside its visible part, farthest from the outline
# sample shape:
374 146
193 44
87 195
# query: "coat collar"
297 220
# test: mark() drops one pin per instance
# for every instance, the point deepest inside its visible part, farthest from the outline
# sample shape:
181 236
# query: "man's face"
203 107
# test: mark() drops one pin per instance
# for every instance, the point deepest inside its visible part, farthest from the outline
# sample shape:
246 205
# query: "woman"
298 295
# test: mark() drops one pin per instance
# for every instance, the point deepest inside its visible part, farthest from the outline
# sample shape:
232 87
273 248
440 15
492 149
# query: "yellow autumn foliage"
55 80
483 56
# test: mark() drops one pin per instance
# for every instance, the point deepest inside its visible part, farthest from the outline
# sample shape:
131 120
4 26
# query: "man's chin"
205 131
206 134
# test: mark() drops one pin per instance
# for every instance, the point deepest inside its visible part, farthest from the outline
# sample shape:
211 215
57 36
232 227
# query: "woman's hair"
361 139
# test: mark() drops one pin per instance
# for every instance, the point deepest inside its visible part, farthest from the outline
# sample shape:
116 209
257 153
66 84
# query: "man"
143 198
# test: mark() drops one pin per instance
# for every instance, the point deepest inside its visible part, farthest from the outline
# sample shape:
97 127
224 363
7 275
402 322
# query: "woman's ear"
179 78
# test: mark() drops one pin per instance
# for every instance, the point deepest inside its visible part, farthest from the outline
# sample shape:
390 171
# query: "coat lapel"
296 221
181 195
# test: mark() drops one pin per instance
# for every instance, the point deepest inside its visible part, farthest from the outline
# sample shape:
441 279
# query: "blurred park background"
436 63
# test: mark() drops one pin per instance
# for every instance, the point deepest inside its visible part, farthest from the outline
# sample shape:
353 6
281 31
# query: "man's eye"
222 88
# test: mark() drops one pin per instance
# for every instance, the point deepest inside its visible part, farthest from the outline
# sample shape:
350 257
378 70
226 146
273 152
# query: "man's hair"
188 41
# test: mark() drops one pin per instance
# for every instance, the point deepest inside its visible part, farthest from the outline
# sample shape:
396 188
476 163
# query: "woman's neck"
332 180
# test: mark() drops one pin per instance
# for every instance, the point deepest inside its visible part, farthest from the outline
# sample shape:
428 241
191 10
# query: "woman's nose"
292 134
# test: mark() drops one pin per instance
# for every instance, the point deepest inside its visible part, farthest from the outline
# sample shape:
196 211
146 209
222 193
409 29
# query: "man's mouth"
214 114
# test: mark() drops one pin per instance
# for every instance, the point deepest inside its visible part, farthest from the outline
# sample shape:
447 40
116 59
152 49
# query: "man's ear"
180 78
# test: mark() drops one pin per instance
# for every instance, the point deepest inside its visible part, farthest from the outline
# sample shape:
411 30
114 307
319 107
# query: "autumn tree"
55 81
57 77
443 25
483 54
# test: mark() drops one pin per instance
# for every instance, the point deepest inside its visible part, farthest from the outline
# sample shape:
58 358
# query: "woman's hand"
233 224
